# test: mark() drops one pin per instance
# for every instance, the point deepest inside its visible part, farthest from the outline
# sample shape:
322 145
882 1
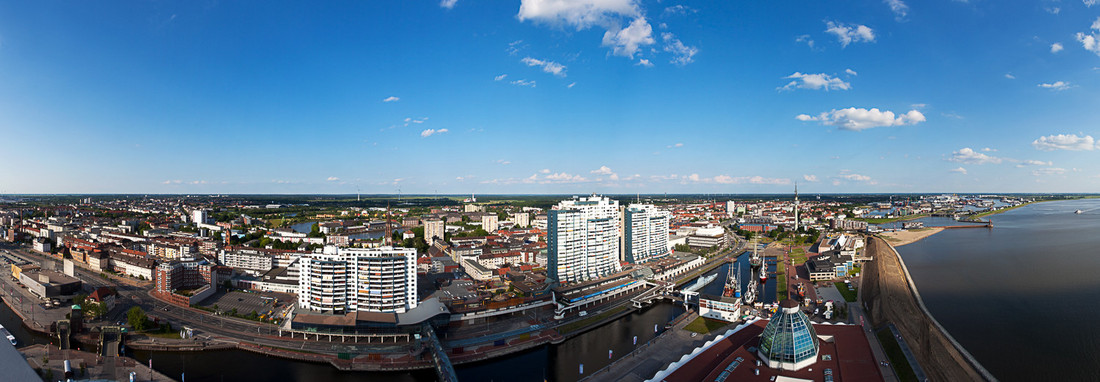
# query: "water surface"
1024 297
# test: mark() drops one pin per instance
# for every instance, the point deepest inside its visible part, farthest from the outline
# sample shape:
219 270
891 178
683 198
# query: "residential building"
198 216
433 231
848 225
489 223
583 239
186 283
344 280
522 219
646 233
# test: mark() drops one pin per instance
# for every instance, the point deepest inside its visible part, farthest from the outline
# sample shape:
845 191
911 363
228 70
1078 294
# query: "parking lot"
244 302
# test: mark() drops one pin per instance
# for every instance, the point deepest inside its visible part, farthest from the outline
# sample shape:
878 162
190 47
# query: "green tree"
315 231
136 318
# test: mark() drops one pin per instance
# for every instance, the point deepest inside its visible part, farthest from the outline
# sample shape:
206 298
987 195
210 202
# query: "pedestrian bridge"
657 290
443 368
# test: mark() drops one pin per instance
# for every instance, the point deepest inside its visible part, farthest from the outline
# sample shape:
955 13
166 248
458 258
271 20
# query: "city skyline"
550 97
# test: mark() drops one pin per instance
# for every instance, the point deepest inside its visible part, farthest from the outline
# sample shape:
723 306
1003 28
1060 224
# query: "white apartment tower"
345 280
433 231
490 223
646 229
583 239
198 216
731 208
522 219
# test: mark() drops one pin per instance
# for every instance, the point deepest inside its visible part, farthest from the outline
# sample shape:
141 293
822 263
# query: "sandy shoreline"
900 238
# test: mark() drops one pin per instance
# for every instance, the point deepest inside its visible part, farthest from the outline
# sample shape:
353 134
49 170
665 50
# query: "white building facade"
343 280
583 239
646 232
433 231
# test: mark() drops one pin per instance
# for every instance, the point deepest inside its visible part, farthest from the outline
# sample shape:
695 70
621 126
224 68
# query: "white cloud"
806 39
391 99
1091 41
562 177
1053 10
677 145
848 34
603 170
570 86
449 4
856 119
429 132
1090 3
1010 76
176 181
415 120
968 155
1048 171
500 77
1056 47
899 8
1070 142
856 177
810 178
682 54
625 42
959 170
547 66
1057 85
1033 162
545 171
986 149
607 14
851 72
523 82
504 162
333 179
815 82
679 9
645 63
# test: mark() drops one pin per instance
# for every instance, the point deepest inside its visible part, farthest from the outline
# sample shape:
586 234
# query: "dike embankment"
888 295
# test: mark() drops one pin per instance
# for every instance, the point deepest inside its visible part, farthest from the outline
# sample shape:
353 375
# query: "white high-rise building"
198 216
646 229
490 223
731 208
433 231
522 219
344 280
583 239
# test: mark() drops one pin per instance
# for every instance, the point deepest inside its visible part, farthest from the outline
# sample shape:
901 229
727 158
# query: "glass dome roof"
789 340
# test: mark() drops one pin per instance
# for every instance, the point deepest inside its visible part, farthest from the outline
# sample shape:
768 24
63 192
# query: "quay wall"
888 295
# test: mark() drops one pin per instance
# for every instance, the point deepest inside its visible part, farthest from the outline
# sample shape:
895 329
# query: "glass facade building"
789 341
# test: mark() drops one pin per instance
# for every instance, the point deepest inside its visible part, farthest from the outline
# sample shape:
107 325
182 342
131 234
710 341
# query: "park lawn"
897 357
703 325
849 294
576 325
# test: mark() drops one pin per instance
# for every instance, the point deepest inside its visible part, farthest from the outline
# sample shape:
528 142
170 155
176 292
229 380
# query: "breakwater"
889 295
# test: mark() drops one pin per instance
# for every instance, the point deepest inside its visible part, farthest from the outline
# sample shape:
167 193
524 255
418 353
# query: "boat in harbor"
4 332
733 285
755 261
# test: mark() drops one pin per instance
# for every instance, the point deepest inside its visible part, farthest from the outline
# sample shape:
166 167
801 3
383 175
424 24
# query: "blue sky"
549 96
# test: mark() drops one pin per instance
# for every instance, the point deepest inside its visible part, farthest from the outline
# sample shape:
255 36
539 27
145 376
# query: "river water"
1024 297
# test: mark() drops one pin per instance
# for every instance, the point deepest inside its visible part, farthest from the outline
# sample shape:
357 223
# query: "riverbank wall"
888 295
